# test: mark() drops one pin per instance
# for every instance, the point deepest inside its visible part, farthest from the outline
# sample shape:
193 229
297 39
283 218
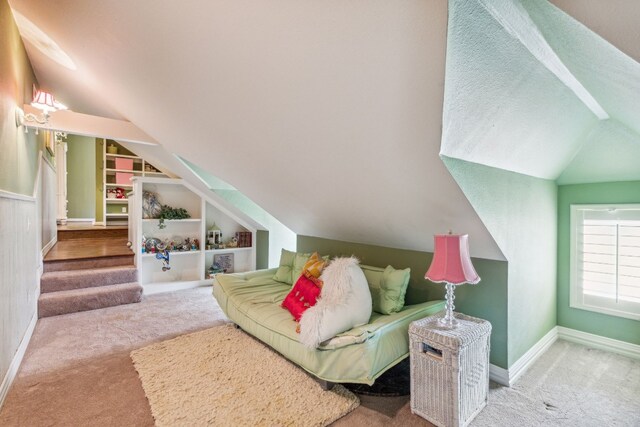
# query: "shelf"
172 220
174 253
210 251
112 171
153 173
113 184
124 156
117 215
117 200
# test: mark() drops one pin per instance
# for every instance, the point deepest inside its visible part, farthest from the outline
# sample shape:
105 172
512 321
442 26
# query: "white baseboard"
521 365
599 342
49 245
89 220
158 288
17 359
509 376
499 375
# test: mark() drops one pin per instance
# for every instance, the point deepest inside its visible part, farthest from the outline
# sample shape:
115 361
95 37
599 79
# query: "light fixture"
43 101
452 265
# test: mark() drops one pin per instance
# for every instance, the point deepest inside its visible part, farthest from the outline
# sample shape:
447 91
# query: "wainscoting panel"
48 204
19 259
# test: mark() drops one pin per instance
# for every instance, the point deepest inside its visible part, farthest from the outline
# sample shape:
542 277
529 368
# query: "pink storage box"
123 178
124 164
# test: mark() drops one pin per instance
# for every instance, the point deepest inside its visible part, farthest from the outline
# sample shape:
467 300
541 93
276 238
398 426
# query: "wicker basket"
449 369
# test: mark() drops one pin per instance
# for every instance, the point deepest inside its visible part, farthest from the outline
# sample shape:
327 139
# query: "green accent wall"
520 212
262 249
99 180
487 300
18 151
81 177
588 321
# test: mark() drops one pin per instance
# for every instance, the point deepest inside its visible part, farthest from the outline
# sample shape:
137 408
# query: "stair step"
88 263
92 233
55 281
74 300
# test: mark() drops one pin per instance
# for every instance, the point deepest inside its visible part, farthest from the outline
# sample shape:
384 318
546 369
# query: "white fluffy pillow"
345 302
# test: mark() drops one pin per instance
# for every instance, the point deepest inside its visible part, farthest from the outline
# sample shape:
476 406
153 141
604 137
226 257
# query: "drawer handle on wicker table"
432 351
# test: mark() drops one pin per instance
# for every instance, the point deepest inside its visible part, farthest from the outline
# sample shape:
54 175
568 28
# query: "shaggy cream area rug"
221 376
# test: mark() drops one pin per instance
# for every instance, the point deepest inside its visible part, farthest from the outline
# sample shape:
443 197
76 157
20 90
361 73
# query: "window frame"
576 296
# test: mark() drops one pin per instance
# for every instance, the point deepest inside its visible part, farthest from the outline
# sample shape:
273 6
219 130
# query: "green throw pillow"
291 264
388 287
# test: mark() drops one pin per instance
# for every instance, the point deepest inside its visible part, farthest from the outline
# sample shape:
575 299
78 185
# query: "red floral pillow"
303 295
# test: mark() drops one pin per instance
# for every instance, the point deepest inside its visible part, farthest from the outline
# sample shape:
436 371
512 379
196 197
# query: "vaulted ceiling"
531 90
328 114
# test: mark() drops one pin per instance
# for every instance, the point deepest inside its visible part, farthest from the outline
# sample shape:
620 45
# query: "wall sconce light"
43 101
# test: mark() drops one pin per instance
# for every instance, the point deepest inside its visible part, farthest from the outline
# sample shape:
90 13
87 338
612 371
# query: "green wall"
587 321
18 151
520 213
487 300
262 249
81 177
99 183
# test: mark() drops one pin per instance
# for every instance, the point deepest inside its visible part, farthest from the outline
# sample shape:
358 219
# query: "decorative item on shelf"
232 243
225 261
168 212
151 244
112 149
452 265
120 193
164 256
195 244
111 193
214 237
151 205
244 239
215 269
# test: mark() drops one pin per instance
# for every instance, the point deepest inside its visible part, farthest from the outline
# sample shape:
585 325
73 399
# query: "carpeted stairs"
72 285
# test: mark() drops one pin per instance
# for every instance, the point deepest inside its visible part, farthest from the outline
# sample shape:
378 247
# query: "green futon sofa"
252 301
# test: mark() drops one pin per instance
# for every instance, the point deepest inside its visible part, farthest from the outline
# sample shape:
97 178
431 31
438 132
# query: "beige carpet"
221 376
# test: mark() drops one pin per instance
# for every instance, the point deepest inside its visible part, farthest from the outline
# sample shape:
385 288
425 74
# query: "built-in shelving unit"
186 266
116 209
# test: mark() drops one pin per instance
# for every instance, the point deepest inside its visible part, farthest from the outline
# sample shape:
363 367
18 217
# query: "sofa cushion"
314 265
303 295
291 265
388 287
345 303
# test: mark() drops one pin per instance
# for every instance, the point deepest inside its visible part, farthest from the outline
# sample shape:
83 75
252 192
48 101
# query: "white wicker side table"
449 369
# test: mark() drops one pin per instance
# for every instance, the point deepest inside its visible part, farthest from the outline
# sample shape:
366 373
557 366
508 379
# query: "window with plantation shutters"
605 259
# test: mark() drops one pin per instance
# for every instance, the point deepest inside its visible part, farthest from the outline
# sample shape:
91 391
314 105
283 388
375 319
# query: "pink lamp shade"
451 261
46 102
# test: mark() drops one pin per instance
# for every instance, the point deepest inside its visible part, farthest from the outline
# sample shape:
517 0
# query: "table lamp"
451 265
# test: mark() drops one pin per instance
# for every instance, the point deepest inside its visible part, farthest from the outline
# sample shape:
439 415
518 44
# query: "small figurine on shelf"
120 193
195 244
164 256
111 193
214 269
233 243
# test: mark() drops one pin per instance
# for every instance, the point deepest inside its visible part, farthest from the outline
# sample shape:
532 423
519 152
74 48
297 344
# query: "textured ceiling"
531 90
327 114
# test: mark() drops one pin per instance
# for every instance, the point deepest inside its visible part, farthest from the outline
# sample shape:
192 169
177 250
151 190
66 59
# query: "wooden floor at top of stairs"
88 248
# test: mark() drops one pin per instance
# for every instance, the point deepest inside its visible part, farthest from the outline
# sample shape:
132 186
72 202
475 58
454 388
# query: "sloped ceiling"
538 93
326 113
